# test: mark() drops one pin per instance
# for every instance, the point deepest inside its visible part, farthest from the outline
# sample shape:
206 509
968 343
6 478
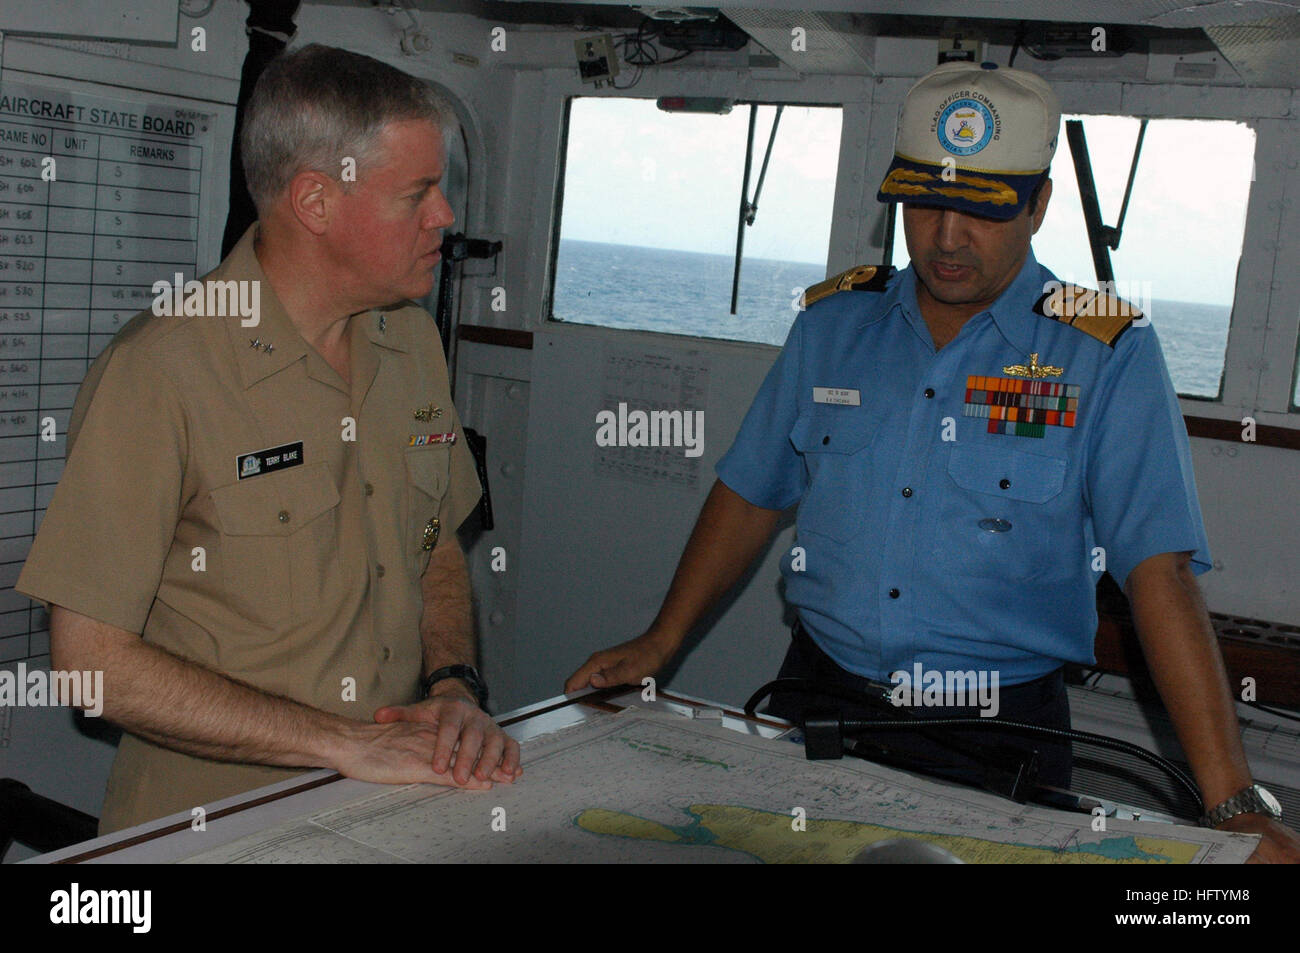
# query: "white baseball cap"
975 138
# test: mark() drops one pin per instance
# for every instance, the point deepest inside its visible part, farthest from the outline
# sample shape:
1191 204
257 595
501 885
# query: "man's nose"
951 233
439 214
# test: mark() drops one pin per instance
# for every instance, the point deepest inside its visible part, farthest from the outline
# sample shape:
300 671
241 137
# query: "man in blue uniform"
971 444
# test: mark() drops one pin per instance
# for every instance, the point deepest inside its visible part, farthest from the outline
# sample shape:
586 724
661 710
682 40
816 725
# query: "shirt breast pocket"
427 475
1004 515
835 448
278 535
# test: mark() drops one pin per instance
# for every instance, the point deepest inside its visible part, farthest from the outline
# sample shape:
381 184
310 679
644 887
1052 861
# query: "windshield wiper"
748 208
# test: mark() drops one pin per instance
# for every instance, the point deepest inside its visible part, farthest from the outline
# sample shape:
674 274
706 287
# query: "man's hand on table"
470 748
1278 843
445 739
624 664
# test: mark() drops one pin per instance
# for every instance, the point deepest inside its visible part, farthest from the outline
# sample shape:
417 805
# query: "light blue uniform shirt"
980 552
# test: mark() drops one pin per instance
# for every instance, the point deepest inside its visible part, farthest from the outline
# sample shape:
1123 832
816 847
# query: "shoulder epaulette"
861 278
1095 313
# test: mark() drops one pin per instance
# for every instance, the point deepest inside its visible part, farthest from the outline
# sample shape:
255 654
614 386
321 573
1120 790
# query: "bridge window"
1182 236
649 211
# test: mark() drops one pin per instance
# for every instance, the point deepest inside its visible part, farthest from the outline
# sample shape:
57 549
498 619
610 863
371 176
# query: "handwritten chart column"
98 200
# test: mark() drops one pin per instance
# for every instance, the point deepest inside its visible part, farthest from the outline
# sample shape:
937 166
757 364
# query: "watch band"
1253 800
466 673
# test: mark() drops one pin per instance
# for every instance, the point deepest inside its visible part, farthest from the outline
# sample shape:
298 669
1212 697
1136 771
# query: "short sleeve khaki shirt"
230 498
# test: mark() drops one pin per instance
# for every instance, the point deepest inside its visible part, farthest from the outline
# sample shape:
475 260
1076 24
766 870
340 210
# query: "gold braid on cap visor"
912 183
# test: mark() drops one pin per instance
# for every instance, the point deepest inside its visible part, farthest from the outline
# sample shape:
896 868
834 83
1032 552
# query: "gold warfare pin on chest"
428 412
1033 370
1024 403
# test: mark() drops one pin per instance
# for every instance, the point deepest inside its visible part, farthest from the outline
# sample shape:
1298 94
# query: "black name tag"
268 461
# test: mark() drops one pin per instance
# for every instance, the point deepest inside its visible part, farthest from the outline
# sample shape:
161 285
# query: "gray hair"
318 105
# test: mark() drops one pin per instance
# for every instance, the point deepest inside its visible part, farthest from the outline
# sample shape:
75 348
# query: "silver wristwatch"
1253 800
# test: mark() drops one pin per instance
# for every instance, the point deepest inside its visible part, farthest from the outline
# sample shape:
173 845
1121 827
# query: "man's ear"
313 199
1039 212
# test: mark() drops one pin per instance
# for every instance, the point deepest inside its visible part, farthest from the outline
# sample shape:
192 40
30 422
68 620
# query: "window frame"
549 320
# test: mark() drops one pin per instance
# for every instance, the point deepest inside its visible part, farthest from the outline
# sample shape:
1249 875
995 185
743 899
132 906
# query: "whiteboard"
102 192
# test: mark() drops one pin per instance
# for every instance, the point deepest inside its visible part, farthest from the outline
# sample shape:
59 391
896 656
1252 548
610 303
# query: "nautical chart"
654 787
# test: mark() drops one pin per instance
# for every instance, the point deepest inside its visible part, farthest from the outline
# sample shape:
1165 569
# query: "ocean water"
681 292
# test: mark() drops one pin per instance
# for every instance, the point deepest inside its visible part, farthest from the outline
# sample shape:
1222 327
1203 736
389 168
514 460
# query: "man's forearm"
1183 656
446 623
729 534
186 707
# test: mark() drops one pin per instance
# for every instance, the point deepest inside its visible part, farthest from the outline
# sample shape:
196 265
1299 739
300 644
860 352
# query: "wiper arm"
1103 239
748 208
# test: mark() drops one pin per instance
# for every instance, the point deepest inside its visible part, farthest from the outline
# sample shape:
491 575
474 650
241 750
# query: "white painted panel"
599 551
146 21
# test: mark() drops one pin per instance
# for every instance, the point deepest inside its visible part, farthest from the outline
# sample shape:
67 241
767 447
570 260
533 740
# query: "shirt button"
386 654
1004 483
893 593
284 516
907 491
379 570
929 392
370 490
826 439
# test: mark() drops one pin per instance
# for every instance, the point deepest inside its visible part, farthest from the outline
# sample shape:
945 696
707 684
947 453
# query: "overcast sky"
638 176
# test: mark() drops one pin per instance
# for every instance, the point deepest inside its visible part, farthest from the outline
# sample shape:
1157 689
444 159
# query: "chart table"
675 779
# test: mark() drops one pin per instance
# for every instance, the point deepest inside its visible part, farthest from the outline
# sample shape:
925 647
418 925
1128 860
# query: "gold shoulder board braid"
1092 312
861 278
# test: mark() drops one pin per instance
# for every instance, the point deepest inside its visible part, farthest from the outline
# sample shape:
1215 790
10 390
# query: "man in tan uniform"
255 533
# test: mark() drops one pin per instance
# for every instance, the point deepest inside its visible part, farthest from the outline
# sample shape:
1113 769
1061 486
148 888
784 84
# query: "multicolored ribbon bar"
1021 408
420 439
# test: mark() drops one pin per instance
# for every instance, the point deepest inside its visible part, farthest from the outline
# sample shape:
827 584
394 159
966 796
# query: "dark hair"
1038 190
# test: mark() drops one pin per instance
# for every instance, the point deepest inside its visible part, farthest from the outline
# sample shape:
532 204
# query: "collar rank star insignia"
383 323
428 412
1033 370
258 345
